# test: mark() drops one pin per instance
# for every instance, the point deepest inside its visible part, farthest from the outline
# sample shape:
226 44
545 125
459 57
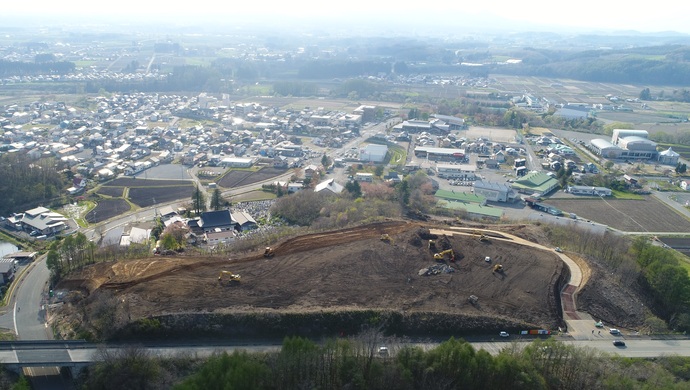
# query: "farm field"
132 182
115 192
147 192
648 215
106 209
149 196
237 178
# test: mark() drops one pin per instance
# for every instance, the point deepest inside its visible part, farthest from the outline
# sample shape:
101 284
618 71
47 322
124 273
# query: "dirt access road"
348 269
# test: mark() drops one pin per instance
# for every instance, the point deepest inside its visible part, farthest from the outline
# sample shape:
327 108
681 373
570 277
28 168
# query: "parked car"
383 351
619 343
504 334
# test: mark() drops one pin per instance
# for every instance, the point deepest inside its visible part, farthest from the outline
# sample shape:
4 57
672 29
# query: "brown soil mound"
348 269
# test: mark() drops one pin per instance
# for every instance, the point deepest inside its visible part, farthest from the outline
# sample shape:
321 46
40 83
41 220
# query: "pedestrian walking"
592 331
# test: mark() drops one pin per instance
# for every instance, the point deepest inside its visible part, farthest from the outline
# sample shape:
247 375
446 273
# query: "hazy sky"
660 15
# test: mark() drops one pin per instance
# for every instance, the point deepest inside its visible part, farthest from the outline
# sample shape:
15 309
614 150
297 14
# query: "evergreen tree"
354 189
198 200
217 201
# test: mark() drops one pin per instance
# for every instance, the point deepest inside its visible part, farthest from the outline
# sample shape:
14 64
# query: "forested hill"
654 65
25 183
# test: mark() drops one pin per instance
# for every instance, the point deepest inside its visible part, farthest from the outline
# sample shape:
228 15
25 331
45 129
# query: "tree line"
657 268
40 67
356 363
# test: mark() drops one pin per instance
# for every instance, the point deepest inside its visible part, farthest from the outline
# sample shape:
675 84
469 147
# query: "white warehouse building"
456 171
493 191
374 153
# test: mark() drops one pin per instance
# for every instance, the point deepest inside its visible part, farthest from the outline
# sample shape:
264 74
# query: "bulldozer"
386 238
229 275
484 238
442 255
269 252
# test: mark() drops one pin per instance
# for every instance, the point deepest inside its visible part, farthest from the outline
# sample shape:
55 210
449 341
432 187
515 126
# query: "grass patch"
7 335
398 156
12 240
253 196
626 195
257 90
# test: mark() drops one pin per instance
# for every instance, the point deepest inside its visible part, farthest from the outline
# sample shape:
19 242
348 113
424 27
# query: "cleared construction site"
430 282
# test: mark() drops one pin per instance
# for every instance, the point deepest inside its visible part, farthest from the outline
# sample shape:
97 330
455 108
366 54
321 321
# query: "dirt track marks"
128 277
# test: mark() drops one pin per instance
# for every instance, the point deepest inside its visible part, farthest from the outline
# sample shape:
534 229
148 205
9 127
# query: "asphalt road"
635 347
25 313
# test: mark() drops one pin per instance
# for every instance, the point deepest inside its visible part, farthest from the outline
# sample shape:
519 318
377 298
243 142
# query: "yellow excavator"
229 275
269 252
497 268
442 255
386 238
483 238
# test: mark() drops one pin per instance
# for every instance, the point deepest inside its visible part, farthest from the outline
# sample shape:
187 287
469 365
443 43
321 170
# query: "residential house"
7 270
136 236
311 170
42 220
244 221
220 220
218 236
329 187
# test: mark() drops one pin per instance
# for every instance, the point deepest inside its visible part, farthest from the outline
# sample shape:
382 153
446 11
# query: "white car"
383 351
504 334
614 331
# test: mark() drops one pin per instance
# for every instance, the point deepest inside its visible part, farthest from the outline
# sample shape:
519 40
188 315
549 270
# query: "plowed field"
349 269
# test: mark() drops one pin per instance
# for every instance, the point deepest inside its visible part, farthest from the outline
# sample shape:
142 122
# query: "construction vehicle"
229 275
269 252
442 255
483 238
497 268
386 238
432 245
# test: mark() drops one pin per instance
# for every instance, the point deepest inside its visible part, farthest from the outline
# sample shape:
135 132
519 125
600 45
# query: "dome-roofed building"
605 148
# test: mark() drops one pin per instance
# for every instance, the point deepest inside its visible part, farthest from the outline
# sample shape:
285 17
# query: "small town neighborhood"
129 134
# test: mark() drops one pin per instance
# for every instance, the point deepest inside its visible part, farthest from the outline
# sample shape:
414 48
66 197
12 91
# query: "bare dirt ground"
648 215
349 269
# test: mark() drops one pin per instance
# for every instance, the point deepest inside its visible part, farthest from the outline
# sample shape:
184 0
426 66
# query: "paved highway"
64 355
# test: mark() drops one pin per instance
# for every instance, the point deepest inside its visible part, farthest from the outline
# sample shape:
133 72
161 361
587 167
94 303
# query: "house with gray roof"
244 220
213 221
